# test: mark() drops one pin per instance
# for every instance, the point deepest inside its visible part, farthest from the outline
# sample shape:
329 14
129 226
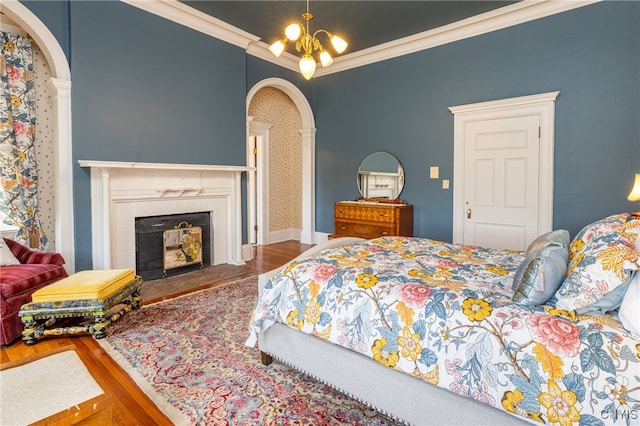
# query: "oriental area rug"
188 354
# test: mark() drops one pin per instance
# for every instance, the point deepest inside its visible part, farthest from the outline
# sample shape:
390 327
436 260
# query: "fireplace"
161 244
124 191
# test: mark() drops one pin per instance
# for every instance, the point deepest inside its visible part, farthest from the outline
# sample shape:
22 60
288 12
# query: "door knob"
468 213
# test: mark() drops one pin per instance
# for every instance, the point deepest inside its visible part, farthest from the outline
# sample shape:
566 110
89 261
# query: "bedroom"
589 54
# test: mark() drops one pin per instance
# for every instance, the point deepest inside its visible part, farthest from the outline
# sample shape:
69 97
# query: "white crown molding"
185 15
514 14
260 49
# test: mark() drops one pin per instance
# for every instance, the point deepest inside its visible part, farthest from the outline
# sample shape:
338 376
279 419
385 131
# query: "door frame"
258 182
542 105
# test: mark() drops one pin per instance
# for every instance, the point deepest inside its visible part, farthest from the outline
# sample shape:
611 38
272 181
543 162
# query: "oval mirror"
380 175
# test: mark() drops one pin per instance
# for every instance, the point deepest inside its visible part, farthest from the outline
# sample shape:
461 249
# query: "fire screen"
182 246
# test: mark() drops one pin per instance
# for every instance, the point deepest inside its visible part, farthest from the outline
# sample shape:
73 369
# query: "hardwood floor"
130 406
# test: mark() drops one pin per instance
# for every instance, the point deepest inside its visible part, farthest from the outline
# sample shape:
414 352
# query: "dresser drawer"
372 220
365 212
351 229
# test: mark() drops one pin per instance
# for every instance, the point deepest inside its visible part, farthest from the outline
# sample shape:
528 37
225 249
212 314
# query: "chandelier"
307 43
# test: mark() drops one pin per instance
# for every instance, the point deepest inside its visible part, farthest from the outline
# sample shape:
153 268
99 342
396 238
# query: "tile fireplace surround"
122 191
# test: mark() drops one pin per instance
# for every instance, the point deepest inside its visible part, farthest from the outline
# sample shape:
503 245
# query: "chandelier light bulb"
307 66
292 32
338 43
325 58
277 48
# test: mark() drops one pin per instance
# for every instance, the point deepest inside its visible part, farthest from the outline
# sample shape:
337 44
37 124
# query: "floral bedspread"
443 313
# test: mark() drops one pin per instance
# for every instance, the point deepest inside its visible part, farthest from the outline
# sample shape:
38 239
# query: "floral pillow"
594 230
631 229
599 274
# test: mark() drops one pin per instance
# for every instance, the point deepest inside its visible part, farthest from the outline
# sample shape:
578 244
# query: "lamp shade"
292 32
325 58
277 48
338 43
307 66
634 195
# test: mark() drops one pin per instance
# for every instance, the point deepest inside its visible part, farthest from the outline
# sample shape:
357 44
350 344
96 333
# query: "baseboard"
322 237
247 253
284 235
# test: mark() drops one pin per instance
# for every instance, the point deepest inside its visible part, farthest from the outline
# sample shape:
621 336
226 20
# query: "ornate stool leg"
99 327
136 299
29 332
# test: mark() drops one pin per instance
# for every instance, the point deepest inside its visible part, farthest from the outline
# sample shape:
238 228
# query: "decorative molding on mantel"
123 191
179 191
507 16
159 166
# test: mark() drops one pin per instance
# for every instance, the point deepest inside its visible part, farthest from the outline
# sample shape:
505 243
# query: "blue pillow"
609 302
540 275
559 237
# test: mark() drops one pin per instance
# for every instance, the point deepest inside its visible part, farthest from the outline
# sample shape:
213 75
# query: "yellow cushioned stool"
84 294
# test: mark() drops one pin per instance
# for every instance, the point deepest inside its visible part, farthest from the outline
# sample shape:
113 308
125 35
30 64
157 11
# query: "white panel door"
501 182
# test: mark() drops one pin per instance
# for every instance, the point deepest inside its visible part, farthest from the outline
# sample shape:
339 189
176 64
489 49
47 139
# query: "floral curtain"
18 168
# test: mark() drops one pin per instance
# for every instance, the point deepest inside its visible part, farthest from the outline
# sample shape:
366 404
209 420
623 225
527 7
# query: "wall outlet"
434 172
445 183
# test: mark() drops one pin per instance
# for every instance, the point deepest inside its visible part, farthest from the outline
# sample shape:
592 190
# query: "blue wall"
146 89
591 55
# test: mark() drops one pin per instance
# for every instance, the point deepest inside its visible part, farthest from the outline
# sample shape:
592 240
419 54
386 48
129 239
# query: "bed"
435 333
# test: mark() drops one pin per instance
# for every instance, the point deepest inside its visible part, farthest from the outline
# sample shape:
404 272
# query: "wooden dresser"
371 220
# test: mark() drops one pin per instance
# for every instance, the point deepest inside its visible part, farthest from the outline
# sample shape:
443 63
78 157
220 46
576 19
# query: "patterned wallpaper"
273 106
45 150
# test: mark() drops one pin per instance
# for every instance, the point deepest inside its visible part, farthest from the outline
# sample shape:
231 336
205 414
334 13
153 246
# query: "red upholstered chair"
17 282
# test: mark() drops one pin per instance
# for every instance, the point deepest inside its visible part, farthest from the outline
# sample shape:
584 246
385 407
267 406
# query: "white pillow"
6 257
628 312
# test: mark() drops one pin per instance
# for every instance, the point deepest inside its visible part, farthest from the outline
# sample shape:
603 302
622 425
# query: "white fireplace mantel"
122 191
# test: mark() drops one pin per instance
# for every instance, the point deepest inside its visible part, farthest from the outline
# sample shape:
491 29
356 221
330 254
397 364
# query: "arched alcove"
60 86
308 132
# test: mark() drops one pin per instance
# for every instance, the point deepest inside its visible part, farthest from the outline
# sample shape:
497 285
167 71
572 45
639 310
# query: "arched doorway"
307 132
60 84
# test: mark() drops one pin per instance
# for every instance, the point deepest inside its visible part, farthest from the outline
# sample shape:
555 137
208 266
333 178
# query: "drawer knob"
384 214
341 211
383 233
343 228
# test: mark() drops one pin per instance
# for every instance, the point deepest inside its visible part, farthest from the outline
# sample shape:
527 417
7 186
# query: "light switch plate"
445 183
434 172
